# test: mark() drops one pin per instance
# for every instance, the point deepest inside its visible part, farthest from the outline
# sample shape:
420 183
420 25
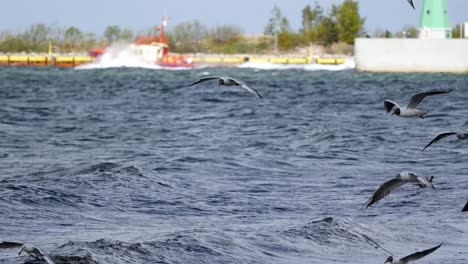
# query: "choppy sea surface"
130 165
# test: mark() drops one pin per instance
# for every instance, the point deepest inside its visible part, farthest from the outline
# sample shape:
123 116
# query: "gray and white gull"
399 180
35 252
460 135
411 109
228 81
412 257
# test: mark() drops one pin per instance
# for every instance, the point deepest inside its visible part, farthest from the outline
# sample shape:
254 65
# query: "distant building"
434 20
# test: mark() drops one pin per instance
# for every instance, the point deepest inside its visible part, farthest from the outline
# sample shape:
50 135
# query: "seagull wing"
411 3
206 79
423 182
6 244
250 89
389 105
419 254
245 86
465 209
417 98
42 255
48 259
439 137
384 190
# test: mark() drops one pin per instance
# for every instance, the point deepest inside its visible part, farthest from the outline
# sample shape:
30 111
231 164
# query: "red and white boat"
153 50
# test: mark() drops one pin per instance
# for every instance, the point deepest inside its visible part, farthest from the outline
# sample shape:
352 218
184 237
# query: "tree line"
324 26
36 38
342 23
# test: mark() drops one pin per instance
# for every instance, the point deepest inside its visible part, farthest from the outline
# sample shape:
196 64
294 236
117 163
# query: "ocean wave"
121 56
334 232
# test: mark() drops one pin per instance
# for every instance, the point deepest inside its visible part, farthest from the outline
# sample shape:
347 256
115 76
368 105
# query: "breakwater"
72 61
412 55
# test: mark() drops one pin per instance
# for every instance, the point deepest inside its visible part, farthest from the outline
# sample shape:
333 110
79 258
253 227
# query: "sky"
252 15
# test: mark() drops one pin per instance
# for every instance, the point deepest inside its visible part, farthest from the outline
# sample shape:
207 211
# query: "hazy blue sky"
251 15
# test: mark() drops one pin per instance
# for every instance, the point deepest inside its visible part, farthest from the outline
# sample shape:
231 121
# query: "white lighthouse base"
435 33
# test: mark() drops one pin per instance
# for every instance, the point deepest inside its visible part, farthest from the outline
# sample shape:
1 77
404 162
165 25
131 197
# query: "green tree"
327 32
290 40
456 31
112 33
72 38
12 43
307 18
37 37
38 33
188 36
89 41
225 33
73 34
277 24
126 35
335 11
349 22
284 25
311 18
273 25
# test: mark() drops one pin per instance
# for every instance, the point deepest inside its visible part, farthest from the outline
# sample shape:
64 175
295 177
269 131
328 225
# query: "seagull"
465 209
399 180
410 110
411 3
228 81
413 257
460 135
32 251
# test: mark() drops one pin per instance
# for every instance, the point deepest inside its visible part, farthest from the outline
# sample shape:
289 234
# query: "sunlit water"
130 165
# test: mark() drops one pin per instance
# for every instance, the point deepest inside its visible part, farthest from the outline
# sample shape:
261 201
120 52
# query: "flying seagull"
228 81
460 135
32 251
410 110
399 180
411 3
412 257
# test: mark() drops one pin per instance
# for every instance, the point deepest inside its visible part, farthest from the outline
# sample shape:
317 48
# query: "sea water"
131 165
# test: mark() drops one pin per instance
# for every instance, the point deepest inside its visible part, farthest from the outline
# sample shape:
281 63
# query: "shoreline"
198 59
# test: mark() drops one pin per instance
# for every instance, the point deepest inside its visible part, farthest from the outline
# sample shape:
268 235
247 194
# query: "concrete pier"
412 55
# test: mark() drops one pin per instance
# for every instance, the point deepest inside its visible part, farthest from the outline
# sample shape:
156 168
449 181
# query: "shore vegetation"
334 28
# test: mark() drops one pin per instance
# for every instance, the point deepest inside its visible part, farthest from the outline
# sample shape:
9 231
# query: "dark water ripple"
132 166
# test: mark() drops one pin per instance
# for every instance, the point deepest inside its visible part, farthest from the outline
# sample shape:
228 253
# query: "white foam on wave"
121 55
349 64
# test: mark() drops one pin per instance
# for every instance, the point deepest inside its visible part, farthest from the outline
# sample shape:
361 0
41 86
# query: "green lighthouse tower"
434 20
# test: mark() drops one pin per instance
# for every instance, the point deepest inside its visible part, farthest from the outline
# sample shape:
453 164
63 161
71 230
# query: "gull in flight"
411 109
412 257
399 180
460 135
411 3
465 209
228 81
32 251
